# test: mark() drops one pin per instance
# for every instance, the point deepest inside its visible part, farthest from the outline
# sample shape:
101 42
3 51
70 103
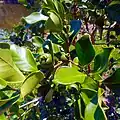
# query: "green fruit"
64 57
46 61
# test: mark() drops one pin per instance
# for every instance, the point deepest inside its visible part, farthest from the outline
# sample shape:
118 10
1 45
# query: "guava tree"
61 62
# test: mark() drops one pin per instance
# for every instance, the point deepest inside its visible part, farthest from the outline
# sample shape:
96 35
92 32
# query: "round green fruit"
46 61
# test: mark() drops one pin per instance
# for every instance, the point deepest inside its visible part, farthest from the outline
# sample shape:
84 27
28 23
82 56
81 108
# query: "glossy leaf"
84 50
23 58
35 17
75 28
30 83
91 108
101 60
113 11
49 4
8 70
59 7
54 23
89 92
56 48
85 98
68 75
99 114
89 83
93 111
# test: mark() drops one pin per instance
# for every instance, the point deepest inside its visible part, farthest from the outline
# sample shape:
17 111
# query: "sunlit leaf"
54 23
89 83
30 83
59 7
93 111
2 117
68 75
35 17
23 58
8 70
49 4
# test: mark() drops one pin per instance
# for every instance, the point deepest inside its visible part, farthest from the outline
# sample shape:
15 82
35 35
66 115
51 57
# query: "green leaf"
89 83
37 41
49 96
56 38
3 83
8 70
56 48
99 114
23 58
85 98
6 99
2 117
101 60
93 110
22 1
60 9
68 75
49 4
8 104
34 18
30 82
4 46
78 112
85 50
114 78
54 23
113 11
89 92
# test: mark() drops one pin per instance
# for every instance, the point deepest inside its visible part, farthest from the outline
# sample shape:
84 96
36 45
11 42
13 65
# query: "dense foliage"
62 62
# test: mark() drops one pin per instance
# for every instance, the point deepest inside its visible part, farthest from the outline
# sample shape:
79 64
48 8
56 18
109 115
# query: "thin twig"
56 66
74 63
28 103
